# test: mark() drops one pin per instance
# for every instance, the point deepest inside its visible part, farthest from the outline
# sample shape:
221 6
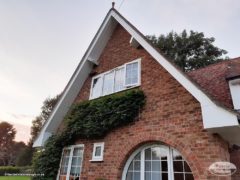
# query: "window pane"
147 165
97 87
156 166
179 176
156 154
132 73
136 176
136 165
147 175
178 166
164 166
189 177
65 161
129 176
148 154
98 151
164 176
176 155
186 167
119 80
108 82
156 176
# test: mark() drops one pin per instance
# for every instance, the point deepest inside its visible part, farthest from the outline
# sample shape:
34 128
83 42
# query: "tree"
7 135
189 51
46 109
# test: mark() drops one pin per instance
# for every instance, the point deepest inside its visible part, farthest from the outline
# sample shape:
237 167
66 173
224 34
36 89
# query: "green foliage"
25 156
15 169
46 109
189 51
7 135
89 120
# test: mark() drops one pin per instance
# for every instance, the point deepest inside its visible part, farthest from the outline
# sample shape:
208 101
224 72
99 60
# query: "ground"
15 178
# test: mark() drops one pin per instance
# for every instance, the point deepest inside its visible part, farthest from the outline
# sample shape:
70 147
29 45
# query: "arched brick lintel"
183 149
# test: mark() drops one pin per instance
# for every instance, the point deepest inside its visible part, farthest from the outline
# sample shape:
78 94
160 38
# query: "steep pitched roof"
214 79
215 117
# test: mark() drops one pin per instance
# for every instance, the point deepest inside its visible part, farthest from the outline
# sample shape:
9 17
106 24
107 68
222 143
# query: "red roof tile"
213 79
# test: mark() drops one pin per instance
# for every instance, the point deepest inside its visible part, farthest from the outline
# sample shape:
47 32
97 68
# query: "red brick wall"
171 116
235 159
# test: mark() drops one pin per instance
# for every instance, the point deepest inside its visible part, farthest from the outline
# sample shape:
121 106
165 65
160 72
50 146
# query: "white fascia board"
213 115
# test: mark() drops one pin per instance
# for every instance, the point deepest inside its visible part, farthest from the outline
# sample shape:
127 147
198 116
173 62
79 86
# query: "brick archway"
189 157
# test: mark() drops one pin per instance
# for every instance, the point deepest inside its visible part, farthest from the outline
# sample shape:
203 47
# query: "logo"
222 168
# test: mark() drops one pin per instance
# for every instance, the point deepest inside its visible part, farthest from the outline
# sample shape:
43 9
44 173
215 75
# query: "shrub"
15 170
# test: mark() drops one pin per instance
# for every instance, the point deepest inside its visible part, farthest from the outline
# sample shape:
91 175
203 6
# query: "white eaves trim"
214 116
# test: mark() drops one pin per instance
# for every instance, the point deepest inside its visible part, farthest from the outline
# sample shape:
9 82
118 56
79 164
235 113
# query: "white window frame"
124 79
71 148
142 155
98 158
139 73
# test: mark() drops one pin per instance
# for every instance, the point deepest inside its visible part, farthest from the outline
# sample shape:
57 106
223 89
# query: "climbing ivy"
89 120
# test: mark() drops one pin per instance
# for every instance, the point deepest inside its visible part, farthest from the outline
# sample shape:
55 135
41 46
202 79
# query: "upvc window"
115 80
98 149
71 163
157 162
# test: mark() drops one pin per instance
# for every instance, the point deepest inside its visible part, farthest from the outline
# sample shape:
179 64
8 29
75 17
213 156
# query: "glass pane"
148 154
165 176
164 166
189 177
119 80
136 165
76 152
136 176
176 155
129 176
108 82
131 167
186 167
156 155
98 151
178 176
132 73
65 161
147 165
156 176
156 166
97 87
74 161
147 175
178 166
164 153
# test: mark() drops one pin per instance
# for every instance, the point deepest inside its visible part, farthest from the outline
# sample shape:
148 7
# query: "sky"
41 42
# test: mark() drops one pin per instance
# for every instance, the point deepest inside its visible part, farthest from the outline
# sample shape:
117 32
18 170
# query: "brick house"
189 121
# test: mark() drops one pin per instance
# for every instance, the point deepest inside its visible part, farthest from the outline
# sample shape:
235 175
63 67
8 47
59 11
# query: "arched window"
156 162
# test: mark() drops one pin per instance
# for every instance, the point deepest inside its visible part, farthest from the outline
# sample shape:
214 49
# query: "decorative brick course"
171 116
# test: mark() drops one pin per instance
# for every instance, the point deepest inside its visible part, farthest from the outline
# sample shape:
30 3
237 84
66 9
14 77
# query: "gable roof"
214 79
214 116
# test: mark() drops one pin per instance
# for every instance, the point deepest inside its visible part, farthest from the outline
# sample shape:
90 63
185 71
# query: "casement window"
98 149
71 163
115 80
156 162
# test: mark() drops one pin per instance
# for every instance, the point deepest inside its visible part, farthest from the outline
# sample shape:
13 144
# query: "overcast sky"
41 42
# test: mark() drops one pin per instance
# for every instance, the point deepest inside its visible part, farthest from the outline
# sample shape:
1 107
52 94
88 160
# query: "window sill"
127 88
96 160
